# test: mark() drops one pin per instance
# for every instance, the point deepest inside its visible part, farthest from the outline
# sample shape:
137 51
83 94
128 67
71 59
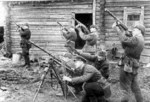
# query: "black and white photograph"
74 50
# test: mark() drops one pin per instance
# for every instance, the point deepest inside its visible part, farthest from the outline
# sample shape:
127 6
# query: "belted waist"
130 63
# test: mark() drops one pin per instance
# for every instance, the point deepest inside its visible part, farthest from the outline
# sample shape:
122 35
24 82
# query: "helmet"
140 27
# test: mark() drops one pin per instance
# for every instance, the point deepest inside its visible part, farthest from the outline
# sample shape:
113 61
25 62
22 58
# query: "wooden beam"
94 11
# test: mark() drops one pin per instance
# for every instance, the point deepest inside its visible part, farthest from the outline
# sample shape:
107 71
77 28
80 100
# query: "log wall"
117 7
42 19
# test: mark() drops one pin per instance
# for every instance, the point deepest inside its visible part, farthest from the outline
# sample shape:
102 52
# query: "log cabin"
129 11
42 16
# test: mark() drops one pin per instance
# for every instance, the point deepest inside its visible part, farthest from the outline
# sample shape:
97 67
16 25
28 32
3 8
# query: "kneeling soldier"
92 79
99 61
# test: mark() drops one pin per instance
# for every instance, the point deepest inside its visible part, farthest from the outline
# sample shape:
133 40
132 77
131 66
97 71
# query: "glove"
65 78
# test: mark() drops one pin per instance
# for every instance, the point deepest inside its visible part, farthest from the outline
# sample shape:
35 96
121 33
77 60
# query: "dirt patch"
22 85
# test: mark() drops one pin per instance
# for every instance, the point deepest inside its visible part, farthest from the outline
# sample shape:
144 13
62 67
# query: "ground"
21 85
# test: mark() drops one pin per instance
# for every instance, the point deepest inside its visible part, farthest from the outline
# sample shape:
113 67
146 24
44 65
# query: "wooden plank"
41 31
56 10
55 3
42 20
52 7
45 27
17 19
145 59
128 3
127 0
146 52
94 11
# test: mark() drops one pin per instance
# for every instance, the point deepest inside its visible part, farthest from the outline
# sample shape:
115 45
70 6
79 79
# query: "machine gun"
123 26
51 65
62 26
56 74
84 28
56 60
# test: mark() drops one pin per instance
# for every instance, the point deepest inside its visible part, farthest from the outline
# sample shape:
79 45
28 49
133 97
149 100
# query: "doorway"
86 19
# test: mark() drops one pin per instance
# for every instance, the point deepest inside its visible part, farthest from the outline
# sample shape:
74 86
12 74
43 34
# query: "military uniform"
133 46
91 77
102 65
91 41
71 37
25 45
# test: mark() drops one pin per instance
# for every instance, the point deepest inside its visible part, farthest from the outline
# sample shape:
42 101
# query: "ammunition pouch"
129 64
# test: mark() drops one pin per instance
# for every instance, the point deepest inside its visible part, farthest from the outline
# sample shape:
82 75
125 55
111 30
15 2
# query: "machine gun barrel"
54 58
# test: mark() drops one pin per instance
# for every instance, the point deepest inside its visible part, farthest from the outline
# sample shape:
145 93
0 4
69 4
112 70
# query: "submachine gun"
121 25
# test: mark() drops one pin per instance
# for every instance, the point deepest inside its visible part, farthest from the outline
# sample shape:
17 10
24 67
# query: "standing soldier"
71 36
133 46
24 44
91 38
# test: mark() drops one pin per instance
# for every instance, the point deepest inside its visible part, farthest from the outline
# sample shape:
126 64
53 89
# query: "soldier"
71 36
114 51
91 38
91 78
133 46
99 61
24 44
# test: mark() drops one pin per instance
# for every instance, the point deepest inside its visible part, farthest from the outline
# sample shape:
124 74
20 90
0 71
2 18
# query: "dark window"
134 17
86 19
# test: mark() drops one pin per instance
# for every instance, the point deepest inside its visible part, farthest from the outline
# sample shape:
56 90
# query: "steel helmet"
140 27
